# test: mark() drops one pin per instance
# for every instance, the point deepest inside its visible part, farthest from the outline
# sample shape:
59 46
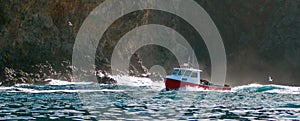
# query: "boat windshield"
187 73
181 72
175 71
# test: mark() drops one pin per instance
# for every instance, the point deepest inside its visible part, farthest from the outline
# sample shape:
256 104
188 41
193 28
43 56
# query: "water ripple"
62 102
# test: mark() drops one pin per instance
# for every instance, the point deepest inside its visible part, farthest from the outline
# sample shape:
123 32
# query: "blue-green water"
68 102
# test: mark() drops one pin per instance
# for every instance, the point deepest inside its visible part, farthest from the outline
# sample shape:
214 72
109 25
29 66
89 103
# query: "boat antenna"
189 61
193 60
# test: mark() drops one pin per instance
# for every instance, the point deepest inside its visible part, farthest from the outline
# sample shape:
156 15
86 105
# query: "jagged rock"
106 80
103 78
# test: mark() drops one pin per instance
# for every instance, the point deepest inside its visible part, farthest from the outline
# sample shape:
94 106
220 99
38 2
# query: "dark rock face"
261 38
36 39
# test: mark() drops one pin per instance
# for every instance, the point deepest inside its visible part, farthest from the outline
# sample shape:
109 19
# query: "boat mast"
193 62
189 62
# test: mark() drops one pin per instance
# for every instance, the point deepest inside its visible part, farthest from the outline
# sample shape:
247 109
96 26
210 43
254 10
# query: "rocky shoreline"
261 38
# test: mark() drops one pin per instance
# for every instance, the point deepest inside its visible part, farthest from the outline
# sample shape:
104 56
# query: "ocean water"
142 99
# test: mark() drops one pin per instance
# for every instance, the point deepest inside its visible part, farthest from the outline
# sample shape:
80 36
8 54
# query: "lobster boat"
184 76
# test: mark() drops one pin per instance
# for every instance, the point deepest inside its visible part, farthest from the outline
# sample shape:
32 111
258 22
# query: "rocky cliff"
261 38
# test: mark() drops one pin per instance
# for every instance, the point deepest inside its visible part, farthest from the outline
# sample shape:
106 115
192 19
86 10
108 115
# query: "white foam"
5 88
158 85
51 91
282 89
285 90
60 82
194 89
189 88
138 82
100 74
133 81
17 85
238 88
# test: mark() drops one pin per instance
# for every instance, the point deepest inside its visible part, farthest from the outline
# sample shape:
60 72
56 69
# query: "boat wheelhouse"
184 76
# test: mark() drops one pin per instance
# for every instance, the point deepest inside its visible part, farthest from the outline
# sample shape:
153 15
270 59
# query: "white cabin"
186 75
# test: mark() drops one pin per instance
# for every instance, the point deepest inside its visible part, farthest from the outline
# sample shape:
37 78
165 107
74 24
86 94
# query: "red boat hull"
175 84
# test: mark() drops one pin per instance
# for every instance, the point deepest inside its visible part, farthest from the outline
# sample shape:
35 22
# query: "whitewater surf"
142 99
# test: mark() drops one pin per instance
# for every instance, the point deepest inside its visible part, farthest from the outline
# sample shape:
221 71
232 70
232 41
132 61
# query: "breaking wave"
138 82
254 88
60 82
267 88
136 96
130 81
